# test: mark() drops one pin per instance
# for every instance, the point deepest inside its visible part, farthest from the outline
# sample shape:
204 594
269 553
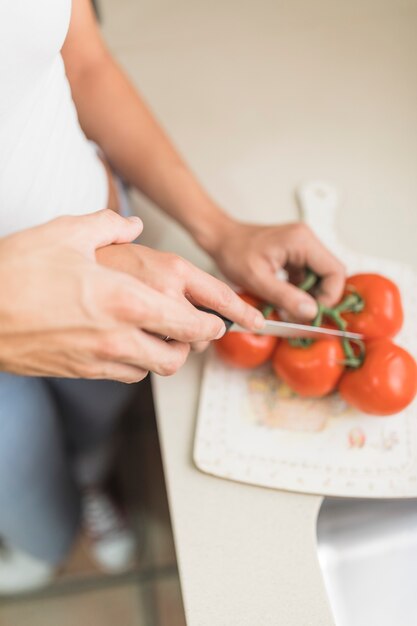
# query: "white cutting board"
252 429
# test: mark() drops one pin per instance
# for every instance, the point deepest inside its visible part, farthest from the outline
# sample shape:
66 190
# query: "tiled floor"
115 605
149 594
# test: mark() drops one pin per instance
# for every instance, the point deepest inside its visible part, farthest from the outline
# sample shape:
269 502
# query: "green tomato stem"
309 281
353 302
299 342
267 310
351 359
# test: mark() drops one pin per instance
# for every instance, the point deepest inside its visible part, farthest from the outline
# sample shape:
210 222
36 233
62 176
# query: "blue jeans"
44 424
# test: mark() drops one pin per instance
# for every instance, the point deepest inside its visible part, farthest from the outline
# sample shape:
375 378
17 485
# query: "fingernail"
283 315
134 218
259 321
221 332
307 309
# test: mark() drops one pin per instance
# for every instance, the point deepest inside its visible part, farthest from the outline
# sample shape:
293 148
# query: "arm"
250 255
134 143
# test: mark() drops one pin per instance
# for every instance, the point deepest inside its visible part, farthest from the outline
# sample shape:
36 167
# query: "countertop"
246 555
260 96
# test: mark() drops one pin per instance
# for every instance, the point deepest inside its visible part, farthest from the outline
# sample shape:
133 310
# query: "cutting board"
251 428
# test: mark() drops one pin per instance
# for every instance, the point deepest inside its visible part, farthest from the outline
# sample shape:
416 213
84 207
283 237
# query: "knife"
285 329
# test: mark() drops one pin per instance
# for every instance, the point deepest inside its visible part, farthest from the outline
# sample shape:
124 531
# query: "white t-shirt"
47 166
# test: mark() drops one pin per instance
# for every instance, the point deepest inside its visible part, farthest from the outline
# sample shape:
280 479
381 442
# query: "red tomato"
247 349
382 315
313 371
386 382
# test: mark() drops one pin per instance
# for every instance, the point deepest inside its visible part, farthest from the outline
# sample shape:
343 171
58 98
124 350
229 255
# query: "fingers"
328 267
162 357
117 371
304 249
284 295
214 294
331 288
177 279
102 228
139 351
135 303
200 346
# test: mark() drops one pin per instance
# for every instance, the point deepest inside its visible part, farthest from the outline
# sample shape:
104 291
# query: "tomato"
386 382
247 349
311 371
382 315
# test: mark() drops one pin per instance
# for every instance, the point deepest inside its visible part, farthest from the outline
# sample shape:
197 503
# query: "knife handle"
228 323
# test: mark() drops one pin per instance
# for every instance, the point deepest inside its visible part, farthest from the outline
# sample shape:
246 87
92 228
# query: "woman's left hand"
251 256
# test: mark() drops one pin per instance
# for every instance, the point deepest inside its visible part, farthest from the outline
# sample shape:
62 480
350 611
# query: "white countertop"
260 96
246 555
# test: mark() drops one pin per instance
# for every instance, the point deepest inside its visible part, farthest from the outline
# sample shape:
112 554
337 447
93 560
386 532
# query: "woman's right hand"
63 314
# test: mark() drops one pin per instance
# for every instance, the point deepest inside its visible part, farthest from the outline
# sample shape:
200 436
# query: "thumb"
283 295
104 228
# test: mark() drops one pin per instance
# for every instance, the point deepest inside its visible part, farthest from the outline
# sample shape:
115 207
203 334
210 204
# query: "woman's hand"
62 314
251 255
175 277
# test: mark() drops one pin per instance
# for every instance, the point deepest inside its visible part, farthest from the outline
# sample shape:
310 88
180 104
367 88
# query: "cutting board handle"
318 203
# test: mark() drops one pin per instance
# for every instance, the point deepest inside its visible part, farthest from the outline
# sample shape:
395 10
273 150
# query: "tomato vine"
352 303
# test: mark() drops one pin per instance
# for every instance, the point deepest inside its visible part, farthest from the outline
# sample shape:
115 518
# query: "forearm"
113 115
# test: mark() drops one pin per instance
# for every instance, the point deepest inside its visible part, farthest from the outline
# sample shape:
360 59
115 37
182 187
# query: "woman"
77 306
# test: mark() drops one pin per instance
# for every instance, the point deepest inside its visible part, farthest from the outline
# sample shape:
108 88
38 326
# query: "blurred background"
148 594
259 96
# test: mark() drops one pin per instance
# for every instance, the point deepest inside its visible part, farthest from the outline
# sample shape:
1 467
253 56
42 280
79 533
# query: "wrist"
209 231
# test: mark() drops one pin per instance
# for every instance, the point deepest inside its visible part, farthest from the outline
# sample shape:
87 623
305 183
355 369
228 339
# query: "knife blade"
286 329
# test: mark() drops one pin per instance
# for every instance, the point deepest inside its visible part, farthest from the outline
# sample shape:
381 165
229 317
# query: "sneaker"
113 543
20 572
